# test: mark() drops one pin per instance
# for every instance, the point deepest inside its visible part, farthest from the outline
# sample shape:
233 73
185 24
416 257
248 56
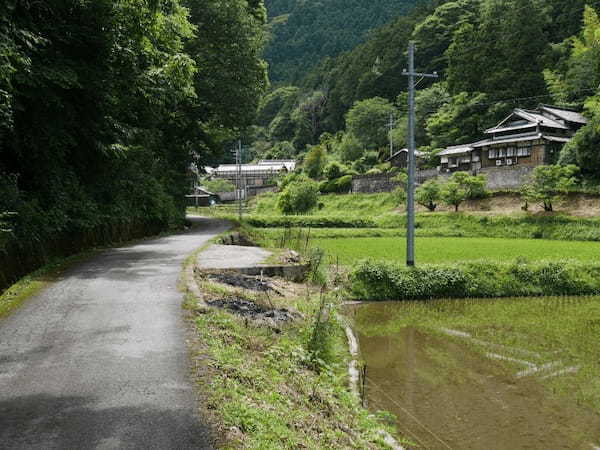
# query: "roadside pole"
238 157
391 126
412 165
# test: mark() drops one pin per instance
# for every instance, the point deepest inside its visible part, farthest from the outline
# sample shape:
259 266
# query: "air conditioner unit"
509 162
498 162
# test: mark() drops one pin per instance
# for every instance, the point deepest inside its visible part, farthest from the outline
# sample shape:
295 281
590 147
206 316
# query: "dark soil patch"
251 310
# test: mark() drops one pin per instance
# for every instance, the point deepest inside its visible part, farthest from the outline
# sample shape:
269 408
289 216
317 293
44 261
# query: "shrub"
291 178
549 184
299 197
453 194
334 170
339 185
371 280
219 185
428 194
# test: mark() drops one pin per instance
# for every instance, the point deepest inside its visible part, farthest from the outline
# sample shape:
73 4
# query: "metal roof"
510 139
226 168
404 150
533 117
566 114
456 150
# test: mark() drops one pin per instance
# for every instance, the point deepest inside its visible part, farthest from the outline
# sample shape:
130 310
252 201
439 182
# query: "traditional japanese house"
400 158
528 137
459 158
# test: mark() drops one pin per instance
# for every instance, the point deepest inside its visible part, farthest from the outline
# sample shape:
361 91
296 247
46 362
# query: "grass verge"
270 388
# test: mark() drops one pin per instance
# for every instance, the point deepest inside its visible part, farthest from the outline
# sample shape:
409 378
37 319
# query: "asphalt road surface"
99 361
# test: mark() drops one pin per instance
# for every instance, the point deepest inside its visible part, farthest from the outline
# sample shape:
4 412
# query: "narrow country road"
98 360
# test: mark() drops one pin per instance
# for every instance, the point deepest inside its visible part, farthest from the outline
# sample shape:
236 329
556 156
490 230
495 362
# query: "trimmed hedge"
309 221
381 281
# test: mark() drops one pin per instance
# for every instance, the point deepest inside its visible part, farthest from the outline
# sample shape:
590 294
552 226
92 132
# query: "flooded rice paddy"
484 374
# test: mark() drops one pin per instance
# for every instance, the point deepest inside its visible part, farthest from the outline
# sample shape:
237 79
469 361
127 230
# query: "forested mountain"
303 32
104 105
491 55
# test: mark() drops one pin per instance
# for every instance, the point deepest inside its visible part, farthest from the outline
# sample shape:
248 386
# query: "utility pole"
238 160
412 164
391 125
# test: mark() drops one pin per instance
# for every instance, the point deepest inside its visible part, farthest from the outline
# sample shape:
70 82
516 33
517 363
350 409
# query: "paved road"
98 360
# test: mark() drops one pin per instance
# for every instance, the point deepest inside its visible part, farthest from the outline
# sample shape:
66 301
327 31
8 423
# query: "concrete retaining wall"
505 177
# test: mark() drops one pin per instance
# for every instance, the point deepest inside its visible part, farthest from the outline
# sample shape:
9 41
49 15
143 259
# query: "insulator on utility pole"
412 165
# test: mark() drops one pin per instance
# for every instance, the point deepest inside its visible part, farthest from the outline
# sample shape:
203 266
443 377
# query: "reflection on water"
447 395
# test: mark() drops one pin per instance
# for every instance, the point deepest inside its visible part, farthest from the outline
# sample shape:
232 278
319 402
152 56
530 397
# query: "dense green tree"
578 77
549 184
104 105
305 32
299 197
307 119
428 194
315 161
501 42
368 121
436 32
350 149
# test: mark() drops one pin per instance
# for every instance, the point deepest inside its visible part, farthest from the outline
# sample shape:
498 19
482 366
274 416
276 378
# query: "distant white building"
259 174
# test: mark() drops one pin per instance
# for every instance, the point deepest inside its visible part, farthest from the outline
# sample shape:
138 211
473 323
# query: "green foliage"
372 280
577 75
315 161
453 194
104 105
429 193
583 149
350 148
276 103
367 121
341 185
219 185
549 184
334 170
299 197
366 162
306 32
500 40
293 177
474 185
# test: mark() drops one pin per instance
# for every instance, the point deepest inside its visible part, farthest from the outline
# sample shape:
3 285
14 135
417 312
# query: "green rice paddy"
444 250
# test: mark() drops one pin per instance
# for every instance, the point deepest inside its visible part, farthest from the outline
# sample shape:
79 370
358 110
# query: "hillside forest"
491 56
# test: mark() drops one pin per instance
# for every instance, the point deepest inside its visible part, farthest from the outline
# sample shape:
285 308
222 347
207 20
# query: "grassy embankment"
18 293
562 331
282 388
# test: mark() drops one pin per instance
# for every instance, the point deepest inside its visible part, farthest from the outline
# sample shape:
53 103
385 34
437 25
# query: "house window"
502 152
452 162
493 153
524 151
510 151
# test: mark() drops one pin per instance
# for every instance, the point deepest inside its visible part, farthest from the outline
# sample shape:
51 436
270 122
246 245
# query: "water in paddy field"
448 393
